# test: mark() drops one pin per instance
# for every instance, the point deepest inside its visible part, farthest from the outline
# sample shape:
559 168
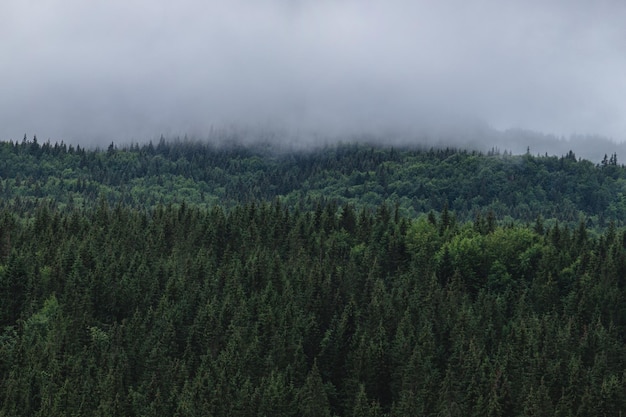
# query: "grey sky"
132 69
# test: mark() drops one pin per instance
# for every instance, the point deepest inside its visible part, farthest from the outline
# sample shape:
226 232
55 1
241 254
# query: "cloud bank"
125 70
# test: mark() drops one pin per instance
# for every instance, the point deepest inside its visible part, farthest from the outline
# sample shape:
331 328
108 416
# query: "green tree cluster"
260 309
520 188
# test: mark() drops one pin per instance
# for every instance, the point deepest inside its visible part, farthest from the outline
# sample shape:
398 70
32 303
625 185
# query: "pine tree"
312 398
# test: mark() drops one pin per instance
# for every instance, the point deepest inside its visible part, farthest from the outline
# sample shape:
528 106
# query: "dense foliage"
520 187
304 306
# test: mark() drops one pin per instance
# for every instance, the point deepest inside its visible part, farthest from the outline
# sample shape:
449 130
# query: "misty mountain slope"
514 187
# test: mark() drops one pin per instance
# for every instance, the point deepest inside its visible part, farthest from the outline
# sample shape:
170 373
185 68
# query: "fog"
97 71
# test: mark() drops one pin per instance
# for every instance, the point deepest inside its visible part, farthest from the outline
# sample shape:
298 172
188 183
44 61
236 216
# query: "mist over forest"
312 208
472 137
446 72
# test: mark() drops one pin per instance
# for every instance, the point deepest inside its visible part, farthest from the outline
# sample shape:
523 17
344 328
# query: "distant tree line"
519 188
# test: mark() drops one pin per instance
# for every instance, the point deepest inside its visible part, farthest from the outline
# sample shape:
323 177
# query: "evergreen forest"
190 279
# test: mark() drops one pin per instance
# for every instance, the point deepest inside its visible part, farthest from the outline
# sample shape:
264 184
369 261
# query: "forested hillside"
521 187
188 280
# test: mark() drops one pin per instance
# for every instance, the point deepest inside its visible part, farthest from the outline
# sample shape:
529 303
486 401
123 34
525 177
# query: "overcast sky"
123 70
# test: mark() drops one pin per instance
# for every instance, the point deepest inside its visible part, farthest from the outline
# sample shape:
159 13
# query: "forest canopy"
186 279
513 187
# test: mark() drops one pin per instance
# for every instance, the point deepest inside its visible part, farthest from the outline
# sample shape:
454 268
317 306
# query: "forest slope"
260 311
188 280
521 187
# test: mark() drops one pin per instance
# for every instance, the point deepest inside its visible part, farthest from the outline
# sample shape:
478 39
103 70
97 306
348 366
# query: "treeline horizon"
476 136
516 188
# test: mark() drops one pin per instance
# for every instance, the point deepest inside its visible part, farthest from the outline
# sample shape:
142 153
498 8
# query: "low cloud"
92 72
